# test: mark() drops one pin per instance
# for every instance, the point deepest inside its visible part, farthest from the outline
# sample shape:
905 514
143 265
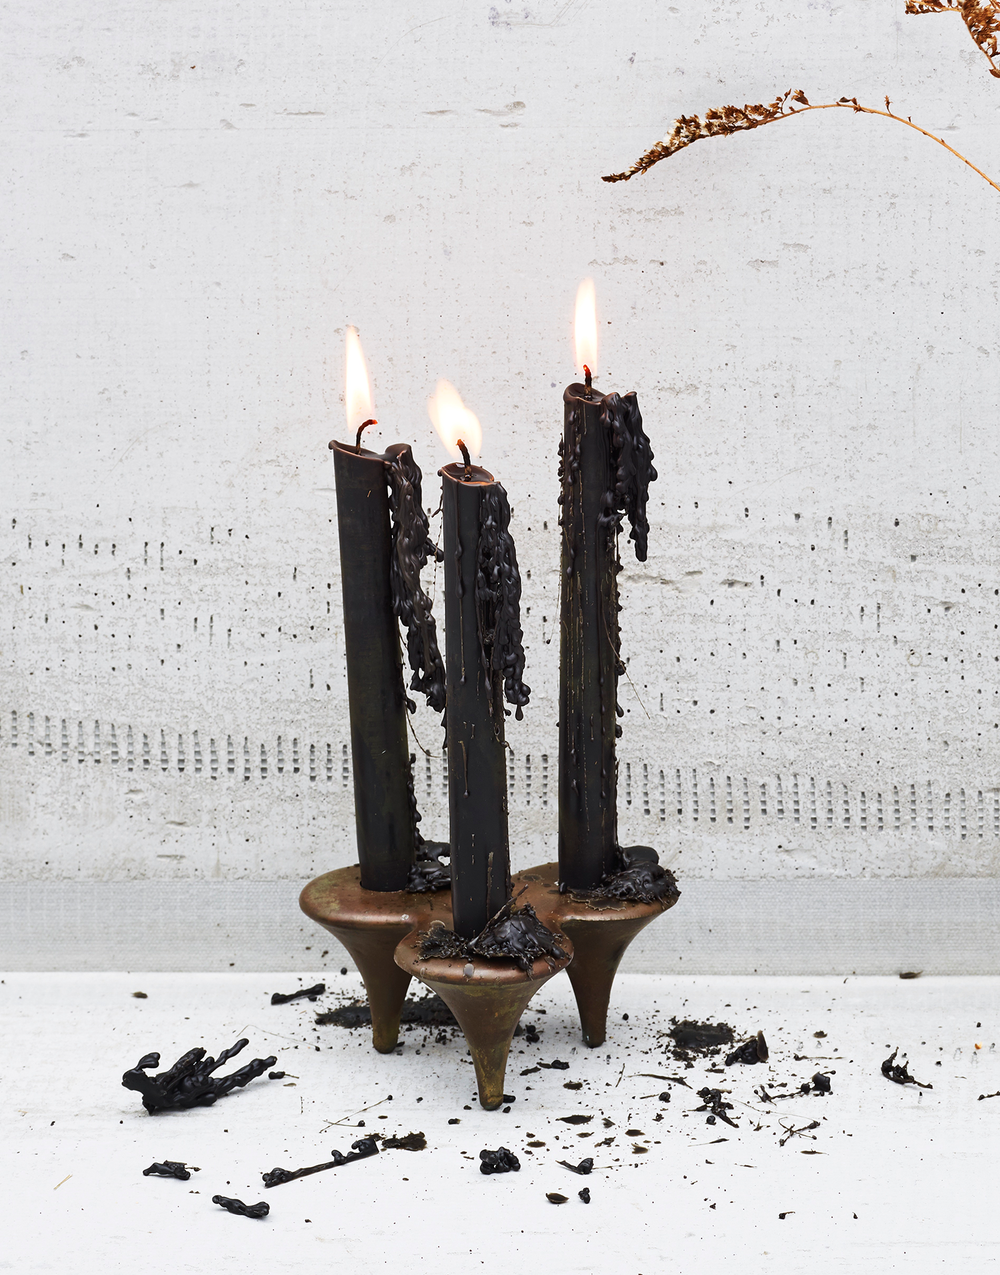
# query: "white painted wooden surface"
904 1178
197 202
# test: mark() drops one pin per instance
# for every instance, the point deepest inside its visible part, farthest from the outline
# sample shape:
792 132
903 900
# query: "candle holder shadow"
487 998
370 923
600 931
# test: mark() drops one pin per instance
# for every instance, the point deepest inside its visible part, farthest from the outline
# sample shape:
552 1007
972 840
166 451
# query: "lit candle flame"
586 328
357 387
453 421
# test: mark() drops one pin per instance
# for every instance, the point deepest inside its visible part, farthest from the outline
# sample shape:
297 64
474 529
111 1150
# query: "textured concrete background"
196 204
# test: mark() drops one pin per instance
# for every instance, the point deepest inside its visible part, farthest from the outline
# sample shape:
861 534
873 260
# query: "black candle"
605 471
380 561
484 664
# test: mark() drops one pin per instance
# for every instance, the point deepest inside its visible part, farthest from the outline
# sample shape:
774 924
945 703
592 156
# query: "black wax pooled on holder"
240 1209
639 879
284 998
510 936
428 872
605 471
412 547
189 1082
360 1150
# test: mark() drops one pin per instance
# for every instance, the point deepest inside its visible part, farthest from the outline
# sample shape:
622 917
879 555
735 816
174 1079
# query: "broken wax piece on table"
360 1150
584 1167
240 1209
500 1161
750 1051
283 998
189 1082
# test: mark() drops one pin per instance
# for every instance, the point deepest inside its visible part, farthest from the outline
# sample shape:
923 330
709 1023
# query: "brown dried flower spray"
725 120
982 21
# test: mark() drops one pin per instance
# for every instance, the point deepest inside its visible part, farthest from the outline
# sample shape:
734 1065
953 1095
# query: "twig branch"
726 120
981 20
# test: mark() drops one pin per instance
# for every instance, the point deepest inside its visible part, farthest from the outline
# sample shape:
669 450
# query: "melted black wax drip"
498 601
639 879
428 873
189 1082
511 936
632 462
360 1150
411 549
240 1209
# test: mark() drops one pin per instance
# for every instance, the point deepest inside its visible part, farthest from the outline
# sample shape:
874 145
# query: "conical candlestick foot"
487 998
600 931
370 923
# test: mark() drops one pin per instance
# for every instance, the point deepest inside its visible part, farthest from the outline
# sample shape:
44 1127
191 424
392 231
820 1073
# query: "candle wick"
587 380
467 476
361 429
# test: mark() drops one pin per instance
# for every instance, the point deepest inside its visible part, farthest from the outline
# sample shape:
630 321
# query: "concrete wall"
197 203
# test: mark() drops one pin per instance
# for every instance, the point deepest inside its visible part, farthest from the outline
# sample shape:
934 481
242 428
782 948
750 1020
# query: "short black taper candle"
484 661
386 827
605 471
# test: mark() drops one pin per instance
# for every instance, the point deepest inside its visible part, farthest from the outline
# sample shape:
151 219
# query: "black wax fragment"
988 1095
577 1119
820 1035
690 1036
899 1073
425 1011
573 1084
584 1167
530 1071
788 1213
283 998
663 1097
531 1034
168 1169
712 1101
554 1197
140 996
243 1210
821 1083
710 1120
510 935
343 969
411 1142
911 974
556 1064
500 1161
275 1075
585 1194
360 1150
751 1051
454 1120
189 1082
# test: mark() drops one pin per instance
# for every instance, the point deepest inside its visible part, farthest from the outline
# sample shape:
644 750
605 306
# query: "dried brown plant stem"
726 120
982 22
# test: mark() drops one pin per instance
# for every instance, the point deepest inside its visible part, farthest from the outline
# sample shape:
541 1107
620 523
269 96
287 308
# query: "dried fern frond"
723 121
982 21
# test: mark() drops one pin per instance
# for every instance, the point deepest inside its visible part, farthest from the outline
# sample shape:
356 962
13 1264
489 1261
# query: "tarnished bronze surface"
370 923
600 931
488 999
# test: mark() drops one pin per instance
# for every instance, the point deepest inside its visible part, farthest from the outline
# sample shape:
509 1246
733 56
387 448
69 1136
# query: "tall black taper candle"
484 661
606 469
386 825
